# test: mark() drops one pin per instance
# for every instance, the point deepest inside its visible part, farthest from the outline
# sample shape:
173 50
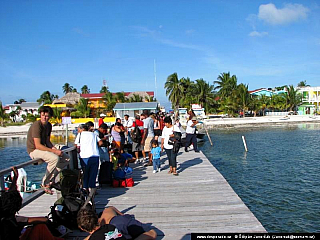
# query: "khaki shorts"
147 144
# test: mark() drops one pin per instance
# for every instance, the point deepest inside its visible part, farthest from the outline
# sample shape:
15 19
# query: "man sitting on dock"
128 226
40 146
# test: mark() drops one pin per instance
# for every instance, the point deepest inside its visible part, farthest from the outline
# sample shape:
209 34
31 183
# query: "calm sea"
278 178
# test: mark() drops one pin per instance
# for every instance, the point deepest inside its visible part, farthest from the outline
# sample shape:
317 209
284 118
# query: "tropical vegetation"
226 96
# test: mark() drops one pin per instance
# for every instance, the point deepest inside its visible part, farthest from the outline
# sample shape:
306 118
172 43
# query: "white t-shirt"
127 123
166 132
88 143
190 130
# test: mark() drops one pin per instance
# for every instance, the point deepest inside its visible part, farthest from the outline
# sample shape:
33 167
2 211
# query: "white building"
26 107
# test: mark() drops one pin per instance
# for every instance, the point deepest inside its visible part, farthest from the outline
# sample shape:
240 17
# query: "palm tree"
303 84
203 93
85 89
82 107
110 101
174 90
136 98
243 97
226 84
293 98
188 92
120 97
104 89
255 105
3 115
46 98
66 88
264 103
150 99
21 100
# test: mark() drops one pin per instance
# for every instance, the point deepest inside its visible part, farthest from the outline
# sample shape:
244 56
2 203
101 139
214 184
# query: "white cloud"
288 14
80 32
258 34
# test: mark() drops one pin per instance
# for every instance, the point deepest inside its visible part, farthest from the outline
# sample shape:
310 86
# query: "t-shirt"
149 123
38 130
107 232
156 152
88 143
100 121
166 132
190 130
139 124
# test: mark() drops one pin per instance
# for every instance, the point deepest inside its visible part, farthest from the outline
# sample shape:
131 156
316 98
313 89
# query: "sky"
135 45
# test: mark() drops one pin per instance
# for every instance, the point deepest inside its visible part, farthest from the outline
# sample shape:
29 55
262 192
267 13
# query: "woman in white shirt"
167 132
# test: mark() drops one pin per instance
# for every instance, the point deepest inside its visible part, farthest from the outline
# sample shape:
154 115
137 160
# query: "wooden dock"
199 200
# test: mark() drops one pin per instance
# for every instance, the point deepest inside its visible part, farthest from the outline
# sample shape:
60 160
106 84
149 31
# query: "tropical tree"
303 84
203 93
46 98
3 115
293 98
264 103
21 100
243 97
150 99
136 98
66 88
109 100
225 84
57 113
174 90
255 105
83 110
120 97
85 89
188 96
104 89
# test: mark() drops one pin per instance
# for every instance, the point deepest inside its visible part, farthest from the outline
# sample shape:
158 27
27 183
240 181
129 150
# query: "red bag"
128 182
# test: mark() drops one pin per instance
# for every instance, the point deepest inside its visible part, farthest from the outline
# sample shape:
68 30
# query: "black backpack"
69 183
136 134
65 210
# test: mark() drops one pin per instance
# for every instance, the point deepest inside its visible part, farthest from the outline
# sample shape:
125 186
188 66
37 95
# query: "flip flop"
175 173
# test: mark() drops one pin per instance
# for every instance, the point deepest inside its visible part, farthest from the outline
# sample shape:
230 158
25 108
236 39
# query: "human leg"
194 142
154 166
187 143
93 165
51 159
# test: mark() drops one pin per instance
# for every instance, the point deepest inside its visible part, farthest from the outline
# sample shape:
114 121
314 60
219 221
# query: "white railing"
73 164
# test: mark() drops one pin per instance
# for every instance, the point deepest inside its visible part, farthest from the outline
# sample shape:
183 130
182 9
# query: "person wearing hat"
191 135
102 116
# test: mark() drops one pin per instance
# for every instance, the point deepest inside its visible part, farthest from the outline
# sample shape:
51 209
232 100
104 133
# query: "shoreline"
216 123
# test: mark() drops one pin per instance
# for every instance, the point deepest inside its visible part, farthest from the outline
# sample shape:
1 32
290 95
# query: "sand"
21 131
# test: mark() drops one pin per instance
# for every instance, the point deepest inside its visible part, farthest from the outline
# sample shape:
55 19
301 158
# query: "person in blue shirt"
155 153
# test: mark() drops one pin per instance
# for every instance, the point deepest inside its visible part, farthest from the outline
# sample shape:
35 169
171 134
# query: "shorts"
136 147
147 144
129 226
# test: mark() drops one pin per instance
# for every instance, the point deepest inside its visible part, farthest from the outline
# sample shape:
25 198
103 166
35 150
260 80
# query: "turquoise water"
278 178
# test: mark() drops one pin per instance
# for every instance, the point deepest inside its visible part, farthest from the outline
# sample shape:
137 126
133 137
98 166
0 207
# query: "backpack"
136 134
69 182
65 210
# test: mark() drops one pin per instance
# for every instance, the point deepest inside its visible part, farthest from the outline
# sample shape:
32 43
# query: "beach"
21 131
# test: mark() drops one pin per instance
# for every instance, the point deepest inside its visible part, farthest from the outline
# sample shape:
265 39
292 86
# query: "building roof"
71 98
136 106
29 105
126 94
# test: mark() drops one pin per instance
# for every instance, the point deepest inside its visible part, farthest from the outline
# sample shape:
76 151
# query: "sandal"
47 189
170 171
175 173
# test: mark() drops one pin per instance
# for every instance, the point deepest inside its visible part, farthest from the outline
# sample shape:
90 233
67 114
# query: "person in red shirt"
136 146
102 116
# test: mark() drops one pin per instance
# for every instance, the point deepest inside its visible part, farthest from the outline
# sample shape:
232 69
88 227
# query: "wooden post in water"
244 143
205 128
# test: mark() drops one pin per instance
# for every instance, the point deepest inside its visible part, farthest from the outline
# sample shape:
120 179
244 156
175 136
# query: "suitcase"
105 173
128 182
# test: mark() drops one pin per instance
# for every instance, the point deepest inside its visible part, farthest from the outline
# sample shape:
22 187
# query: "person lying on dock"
40 146
12 225
125 224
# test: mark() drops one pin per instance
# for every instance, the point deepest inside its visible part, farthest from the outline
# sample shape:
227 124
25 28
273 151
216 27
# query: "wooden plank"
198 200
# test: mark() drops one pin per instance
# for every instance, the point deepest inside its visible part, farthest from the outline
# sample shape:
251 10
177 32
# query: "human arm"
150 235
